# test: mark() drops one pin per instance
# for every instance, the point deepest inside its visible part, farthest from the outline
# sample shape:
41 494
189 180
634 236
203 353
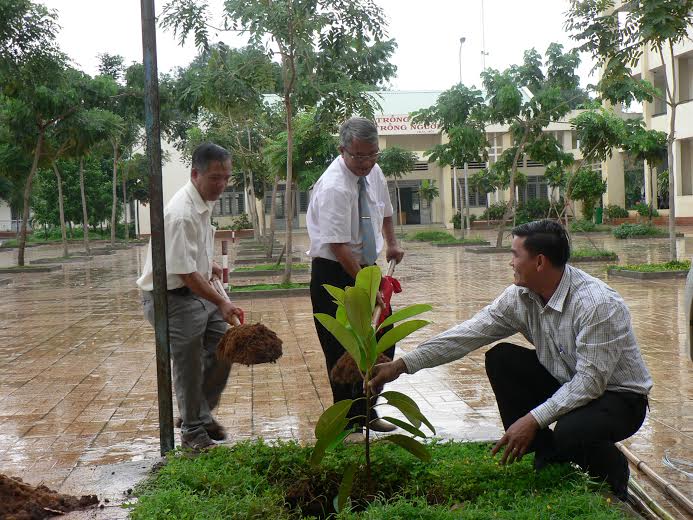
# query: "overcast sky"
427 32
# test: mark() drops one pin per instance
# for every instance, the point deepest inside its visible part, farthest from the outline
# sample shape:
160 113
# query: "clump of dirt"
345 371
249 345
20 501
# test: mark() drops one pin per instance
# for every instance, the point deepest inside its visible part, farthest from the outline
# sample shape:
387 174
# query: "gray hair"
207 153
358 128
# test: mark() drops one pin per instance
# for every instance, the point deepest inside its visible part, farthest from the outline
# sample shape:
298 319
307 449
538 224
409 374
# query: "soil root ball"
249 345
345 371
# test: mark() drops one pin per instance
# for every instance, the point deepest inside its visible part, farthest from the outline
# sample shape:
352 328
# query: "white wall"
175 173
5 217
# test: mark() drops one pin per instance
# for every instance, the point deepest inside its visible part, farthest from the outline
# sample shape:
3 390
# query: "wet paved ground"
77 373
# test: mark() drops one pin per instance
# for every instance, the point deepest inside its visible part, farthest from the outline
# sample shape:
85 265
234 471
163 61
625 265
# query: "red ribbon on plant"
388 286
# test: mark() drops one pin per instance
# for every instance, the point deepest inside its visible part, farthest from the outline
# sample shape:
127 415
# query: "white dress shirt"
333 212
583 337
189 239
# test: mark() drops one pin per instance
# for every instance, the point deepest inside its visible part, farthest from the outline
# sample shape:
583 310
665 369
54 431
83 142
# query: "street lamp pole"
455 189
466 165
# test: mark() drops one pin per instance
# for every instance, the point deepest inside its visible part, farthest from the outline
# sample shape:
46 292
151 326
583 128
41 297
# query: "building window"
595 166
536 188
686 77
420 167
477 199
686 167
476 165
574 141
495 139
302 201
659 79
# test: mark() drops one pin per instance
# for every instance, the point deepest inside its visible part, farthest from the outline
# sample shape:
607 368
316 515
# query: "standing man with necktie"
349 222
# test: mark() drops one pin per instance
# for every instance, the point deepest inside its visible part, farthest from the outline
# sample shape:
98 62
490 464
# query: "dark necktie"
366 226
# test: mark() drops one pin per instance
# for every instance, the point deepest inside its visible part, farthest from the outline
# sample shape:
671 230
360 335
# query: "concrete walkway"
78 382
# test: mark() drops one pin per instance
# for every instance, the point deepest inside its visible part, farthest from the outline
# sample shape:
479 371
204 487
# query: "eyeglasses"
362 158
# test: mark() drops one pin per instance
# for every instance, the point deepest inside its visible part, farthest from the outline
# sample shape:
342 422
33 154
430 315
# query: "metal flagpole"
153 131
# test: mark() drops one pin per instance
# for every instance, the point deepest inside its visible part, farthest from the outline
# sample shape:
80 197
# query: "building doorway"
411 205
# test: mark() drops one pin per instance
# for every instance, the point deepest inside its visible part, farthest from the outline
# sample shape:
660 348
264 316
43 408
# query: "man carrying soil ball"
585 374
198 315
348 214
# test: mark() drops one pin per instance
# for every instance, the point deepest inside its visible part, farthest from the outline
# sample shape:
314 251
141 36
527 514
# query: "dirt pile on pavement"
20 501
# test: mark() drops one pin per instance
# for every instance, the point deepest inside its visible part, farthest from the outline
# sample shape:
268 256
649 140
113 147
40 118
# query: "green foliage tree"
36 93
588 186
549 83
617 39
395 162
600 131
330 51
89 129
223 91
649 146
460 113
352 327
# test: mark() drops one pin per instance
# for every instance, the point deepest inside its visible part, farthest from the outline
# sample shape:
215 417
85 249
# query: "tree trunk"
264 210
672 193
61 210
251 195
399 208
273 218
468 225
27 197
460 207
671 139
85 217
252 210
115 193
288 195
125 206
509 209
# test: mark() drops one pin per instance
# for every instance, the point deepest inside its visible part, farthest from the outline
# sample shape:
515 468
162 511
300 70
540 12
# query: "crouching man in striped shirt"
585 374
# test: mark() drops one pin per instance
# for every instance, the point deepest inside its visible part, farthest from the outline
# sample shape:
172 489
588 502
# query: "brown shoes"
197 443
215 430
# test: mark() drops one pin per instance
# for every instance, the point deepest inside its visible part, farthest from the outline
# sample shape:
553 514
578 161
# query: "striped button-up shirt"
583 337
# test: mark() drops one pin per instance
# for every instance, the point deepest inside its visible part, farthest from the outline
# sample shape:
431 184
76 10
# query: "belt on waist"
180 291
326 261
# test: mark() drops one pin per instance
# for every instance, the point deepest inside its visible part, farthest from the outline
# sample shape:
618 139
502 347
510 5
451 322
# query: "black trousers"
585 436
324 271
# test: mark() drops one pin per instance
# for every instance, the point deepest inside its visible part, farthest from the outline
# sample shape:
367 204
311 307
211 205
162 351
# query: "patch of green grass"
22 267
253 479
269 267
269 286
587 226
453 240
674 265
586 252
638 230
78 237
443 237
430 236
